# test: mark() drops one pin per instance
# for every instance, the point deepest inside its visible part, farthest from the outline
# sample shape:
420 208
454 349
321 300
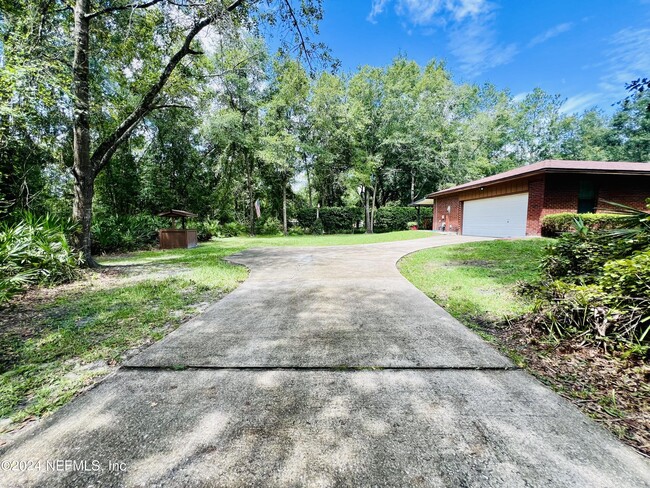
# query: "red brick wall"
451 218
630 190
535 207
561 192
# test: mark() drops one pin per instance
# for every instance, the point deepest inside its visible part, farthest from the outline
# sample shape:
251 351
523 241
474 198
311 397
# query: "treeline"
249 126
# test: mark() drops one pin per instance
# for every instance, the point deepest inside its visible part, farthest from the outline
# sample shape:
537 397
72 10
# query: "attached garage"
514 203
496 217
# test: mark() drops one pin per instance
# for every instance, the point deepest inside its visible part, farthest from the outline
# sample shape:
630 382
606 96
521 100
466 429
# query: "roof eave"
450 191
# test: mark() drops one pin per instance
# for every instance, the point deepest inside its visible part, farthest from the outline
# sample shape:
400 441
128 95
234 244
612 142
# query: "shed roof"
176 213
422 202
554 166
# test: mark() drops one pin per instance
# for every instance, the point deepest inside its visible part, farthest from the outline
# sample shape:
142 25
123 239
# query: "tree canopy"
167 104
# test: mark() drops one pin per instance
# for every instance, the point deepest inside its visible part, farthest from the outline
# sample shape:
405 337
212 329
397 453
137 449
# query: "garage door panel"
503 216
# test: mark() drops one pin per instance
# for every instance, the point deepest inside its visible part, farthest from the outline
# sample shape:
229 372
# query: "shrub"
234 229
597 284
388 219
206 229
296 231
581 255
317 227
270 226
306 216
124 233
556 224
628 278
590 312
35 250
334 219
574 256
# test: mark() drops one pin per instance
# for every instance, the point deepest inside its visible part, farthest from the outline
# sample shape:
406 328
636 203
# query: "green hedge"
388 219
334 219
124 233
344 219
556 224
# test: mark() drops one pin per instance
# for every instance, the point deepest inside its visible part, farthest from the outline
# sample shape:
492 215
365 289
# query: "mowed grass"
55 342
476 282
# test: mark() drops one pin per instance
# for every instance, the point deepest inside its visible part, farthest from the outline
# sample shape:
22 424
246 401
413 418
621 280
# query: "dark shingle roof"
553 166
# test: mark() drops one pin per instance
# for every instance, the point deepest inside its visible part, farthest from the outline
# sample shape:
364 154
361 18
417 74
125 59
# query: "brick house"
513 203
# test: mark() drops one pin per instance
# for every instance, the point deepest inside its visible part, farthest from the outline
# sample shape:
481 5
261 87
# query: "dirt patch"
30 314
611 388
479 263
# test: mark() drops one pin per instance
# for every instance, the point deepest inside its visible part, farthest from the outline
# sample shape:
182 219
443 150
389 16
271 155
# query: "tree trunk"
372 213
284 207
83 170
86 167
366 199
309 188
251 195
412 186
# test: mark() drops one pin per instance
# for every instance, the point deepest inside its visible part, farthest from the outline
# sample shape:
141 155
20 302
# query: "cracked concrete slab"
325 307
327 428
293 418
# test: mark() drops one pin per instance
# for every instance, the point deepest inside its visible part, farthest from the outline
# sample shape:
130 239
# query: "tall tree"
284 122
630 137
328 116
174 28
365 99
234 131
88 162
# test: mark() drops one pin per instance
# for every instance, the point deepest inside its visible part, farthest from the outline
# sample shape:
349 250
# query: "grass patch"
476 282
45 361
219 248
55 342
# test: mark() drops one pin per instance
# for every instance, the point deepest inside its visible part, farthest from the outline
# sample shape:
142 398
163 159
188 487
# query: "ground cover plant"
57 341
594 285
35 250
487 286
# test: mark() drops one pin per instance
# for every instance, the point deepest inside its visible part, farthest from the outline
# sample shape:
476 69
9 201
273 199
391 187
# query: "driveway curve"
324 307
325 368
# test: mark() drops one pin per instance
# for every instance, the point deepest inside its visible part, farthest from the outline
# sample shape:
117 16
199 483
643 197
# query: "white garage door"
496 217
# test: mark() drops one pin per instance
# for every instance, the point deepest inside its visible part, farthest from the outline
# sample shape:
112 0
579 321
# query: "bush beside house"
555 224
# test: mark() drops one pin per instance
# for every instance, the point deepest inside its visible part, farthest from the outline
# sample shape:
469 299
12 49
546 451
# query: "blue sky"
585 50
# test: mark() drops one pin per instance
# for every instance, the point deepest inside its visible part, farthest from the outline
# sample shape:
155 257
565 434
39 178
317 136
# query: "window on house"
586 197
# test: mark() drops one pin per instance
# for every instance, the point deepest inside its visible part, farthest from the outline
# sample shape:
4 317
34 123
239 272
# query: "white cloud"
472 37
519 97
581 102
626 60
419 12
475 45
551 33
426 12
464 8
378 7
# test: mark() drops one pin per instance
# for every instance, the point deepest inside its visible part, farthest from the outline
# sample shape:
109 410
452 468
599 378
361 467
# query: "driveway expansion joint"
197 367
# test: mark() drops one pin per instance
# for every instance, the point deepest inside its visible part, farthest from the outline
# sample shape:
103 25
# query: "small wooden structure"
174 238
424 222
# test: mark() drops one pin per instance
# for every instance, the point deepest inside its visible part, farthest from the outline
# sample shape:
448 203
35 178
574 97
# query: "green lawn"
57 341
475 282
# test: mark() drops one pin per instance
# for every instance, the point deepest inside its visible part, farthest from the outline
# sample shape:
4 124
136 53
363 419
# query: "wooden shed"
174 238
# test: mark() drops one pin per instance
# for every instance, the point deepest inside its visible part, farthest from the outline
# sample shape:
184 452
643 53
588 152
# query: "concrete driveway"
325 368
